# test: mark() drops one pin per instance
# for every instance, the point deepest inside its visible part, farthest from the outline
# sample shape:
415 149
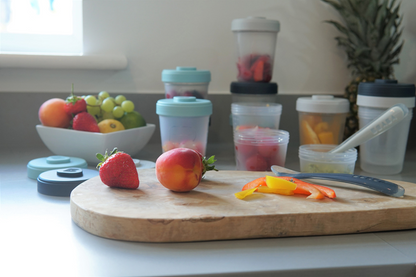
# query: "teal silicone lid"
185 106
186 75
37 166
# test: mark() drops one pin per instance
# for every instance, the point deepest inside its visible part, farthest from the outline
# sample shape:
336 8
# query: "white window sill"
97 62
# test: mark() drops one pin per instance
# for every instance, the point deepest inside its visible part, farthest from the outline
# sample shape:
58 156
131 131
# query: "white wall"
162 34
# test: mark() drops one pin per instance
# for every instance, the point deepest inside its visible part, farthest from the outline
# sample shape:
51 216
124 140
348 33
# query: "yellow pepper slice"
243 194
276 191
277 183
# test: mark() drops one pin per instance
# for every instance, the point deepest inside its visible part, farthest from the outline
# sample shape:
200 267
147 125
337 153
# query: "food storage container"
249 115
186 81
184 122
255 47
315 158
385 153
321 119
257 149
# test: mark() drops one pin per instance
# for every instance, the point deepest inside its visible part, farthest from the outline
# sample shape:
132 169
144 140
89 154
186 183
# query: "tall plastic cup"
256 43
184 122
385 153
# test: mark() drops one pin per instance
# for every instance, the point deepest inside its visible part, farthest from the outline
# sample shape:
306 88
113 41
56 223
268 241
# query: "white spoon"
375 128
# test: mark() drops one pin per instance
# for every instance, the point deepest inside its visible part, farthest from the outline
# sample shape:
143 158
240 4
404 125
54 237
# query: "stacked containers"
259 143
186 81
385 153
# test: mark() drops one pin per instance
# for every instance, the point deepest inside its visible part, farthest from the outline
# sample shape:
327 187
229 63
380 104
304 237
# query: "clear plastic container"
248 115
385 153
257 149
186 81
321 119
256 43
184 122
314 158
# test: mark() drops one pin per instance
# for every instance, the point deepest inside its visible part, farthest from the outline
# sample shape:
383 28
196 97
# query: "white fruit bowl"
86 145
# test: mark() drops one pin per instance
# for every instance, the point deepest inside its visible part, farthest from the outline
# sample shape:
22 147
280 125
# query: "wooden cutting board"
153 213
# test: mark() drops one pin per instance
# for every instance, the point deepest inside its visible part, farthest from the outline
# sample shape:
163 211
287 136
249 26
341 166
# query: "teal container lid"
40 165
186 75
184 106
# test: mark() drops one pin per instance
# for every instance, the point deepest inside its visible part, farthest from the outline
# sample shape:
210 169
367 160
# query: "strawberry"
74 104
85 122
118 170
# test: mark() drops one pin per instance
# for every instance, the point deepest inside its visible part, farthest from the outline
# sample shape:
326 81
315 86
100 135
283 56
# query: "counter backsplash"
19 116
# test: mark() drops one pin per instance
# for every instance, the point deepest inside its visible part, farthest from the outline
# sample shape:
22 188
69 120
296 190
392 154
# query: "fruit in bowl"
82 126
86 145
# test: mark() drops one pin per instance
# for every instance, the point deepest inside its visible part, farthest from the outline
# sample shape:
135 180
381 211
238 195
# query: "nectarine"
179 169
52 113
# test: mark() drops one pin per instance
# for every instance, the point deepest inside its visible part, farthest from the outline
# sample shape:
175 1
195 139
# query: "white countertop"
38 237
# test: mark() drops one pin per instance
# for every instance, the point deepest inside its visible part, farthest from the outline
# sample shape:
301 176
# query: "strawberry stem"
104 157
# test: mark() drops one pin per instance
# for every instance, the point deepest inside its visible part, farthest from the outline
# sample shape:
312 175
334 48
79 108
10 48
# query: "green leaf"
100 157
338 25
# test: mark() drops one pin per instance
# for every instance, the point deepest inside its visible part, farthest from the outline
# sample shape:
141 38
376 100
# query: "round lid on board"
253 88
322 104
385 93
60 182
184 106
184 74
37 166
255 23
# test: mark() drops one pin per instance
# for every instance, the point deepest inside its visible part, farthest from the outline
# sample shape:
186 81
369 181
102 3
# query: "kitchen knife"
385 187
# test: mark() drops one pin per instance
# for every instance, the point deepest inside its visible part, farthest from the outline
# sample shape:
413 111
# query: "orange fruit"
52 113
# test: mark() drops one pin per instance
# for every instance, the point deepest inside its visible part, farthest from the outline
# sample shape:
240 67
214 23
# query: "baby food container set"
255 115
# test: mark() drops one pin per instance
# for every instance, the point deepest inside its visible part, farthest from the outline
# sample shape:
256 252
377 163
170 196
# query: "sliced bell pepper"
277 183
310 189
276 191
243 194
255 183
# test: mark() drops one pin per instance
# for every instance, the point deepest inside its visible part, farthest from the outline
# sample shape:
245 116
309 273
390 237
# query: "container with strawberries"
256 42
258 142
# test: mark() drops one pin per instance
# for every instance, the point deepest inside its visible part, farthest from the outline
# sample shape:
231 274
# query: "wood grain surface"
153 213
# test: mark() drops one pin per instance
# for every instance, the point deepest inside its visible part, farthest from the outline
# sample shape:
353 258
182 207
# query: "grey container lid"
61 182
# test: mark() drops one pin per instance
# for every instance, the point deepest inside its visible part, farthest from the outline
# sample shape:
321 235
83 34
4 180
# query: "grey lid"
60 182
385 93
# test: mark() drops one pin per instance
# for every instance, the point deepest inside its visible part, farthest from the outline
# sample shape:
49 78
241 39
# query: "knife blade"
385 187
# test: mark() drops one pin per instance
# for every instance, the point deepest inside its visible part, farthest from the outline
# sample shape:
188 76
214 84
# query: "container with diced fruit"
257 149
321 119
186 81
256 42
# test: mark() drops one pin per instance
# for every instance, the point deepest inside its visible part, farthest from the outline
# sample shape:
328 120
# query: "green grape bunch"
103 106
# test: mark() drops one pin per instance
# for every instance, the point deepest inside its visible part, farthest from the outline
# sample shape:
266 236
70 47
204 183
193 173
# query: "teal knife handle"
379 185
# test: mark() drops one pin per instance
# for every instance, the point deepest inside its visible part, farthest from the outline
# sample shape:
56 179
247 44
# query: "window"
52 27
